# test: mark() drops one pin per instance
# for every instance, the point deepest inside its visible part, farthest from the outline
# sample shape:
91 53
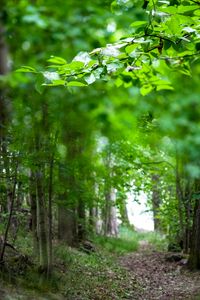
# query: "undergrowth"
129 241
81 276
93 276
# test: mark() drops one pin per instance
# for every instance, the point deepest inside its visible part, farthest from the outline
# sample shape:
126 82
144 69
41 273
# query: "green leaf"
169 9
56 83
26 69
187 8
57 60
90 79
118 82
164 87
174 25
75 65
197 12
146 89
76 83
138 23
129 49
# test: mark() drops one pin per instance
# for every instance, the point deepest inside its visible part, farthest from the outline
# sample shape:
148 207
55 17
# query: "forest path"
159 278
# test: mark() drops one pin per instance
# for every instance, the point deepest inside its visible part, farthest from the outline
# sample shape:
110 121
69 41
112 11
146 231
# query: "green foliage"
129 241
24 243
133 98
153 239
94 275
117 245
158 240
146 56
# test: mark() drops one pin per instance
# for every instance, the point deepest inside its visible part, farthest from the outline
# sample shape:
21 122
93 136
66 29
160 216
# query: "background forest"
98 99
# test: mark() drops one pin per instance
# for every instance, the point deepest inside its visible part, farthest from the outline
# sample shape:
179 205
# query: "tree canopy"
99 100
164 40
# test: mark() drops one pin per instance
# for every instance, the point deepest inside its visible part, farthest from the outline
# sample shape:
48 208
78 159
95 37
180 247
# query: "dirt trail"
159 278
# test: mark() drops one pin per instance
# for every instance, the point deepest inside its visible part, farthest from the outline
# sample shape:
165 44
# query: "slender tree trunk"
81 220
188 217
96 220
180 197
124 213
12 196
4 119
194 258
33 200
42 231
93 217
110 214
109 211
7 168
50 221
41 223
4 107
4 103
156 201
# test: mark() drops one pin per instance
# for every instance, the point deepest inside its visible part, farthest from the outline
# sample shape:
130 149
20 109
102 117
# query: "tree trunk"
41 224
124 213
12 196
194 258
50 219
110 214
179 197
187 224
66 208
66 225
42 232
4 104
33 221
81 220
4 111
156 202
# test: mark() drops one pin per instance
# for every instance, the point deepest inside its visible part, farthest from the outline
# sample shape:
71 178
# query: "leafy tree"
149 121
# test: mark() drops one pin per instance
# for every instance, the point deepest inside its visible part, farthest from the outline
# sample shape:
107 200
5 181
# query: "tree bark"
66 225
41 224
179 196
12 196
50 218
194 258
110 214
42 231
4 103
156 202
81 220
33 200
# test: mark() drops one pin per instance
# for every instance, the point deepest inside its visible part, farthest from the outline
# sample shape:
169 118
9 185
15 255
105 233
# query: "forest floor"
146 274
160 278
